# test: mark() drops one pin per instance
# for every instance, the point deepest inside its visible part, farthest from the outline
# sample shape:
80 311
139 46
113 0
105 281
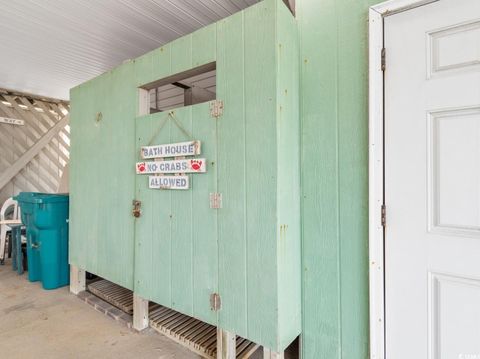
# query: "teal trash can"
50 218
26 204
46 219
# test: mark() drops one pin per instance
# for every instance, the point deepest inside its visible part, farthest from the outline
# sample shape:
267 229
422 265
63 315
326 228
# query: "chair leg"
17 239
3 236
13 245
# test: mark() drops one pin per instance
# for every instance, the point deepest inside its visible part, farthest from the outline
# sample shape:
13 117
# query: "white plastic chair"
4 223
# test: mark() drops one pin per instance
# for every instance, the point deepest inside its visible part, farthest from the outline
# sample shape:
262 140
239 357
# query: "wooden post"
77 279
140 313
226 344
269 354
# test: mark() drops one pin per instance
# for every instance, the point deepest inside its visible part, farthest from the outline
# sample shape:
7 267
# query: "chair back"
10 202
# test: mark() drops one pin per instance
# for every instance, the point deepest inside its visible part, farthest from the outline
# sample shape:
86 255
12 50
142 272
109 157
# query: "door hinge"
384 59
384 215
216 108
215 200
215 302
136 211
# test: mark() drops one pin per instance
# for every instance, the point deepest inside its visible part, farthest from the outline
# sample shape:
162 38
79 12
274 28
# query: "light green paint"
334 119
248 251
101 186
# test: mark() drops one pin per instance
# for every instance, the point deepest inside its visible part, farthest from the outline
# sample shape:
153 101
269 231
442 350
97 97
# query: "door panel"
432 181
177 231
101 179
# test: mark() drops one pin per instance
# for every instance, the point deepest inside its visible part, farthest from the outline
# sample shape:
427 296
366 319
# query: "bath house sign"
163 170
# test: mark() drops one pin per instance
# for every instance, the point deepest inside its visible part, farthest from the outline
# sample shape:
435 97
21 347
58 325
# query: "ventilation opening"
183 89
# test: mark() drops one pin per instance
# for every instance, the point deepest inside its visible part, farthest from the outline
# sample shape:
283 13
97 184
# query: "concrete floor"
35 323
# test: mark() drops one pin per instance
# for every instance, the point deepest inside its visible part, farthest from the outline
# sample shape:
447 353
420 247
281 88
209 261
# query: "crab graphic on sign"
163 169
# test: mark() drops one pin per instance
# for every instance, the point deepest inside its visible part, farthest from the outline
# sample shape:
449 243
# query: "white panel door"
432 181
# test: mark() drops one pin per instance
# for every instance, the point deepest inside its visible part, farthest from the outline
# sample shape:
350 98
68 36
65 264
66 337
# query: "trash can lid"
49 198
22 196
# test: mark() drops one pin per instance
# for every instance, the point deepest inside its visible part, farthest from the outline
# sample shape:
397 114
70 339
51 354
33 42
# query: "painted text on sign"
180 149
168 182
197 165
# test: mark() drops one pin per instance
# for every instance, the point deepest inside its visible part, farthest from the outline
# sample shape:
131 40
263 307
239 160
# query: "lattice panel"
43 137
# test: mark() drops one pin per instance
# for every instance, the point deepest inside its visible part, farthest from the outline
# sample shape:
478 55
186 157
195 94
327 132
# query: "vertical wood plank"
140 312
143 70
159 285
181 54
82 235
232 249
116 176
161 63
204 45
226 344
269 354
261 179
353 175
101 230
204 220
143 224
181 229
288 183
77 279
334 190
318 25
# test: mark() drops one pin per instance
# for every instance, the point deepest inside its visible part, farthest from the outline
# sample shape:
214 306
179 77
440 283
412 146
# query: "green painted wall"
101 182
334 120
180 251
334 123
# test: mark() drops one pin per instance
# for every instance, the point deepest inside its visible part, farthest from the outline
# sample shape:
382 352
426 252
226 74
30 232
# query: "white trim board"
376 166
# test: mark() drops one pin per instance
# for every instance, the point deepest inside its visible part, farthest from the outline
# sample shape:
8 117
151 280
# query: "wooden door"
432 181
176 254
102 180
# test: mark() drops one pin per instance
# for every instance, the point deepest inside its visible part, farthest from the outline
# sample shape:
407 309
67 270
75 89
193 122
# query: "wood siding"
334 118
249 250
102 180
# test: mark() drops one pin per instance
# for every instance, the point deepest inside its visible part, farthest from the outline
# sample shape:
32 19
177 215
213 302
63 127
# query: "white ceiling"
49 46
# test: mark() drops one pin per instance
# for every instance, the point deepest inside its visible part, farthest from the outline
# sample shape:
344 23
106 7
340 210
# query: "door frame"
376 236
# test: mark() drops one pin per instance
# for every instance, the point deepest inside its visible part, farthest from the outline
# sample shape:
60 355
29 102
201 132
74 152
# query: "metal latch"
215 200
215 301
136 211
216 108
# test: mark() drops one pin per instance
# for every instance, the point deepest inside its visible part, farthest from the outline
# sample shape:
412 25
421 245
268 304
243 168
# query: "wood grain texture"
43 170
334 120
101 229
288 173
183 251
261 174
232 246
176 243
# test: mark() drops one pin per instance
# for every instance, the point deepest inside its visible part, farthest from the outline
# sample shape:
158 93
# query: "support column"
140 313
77 280
269 354
226 344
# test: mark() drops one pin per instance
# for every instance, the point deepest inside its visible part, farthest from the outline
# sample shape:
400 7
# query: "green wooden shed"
234 234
